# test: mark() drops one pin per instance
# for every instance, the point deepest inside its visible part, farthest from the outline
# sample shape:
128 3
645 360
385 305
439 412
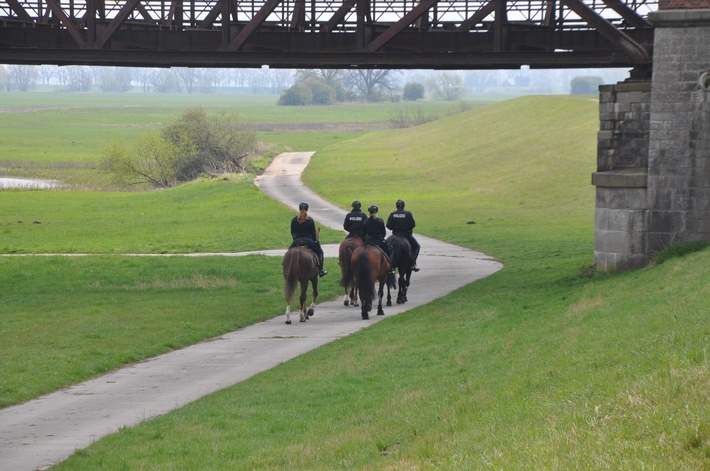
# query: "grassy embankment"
535 367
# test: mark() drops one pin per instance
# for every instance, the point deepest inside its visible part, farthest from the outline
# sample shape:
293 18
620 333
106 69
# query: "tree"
21 77
448 86
413 91
116 79
373 84
4 85
165 81
190 77
79 78
585 85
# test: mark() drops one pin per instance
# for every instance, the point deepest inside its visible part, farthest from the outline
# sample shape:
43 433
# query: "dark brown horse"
370 265
403 263
347 280
300 267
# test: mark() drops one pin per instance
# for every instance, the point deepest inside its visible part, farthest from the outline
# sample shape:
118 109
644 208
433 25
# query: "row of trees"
327 86
123 79
365 84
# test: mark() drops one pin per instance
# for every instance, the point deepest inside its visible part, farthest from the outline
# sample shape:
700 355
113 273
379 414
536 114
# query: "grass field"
544 365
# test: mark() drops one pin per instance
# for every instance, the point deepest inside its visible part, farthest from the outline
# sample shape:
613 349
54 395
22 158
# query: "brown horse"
347 281
300 266
370 264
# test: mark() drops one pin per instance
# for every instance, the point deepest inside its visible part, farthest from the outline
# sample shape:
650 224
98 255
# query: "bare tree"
373 84
21 77
79 78
47 73
190 77
165 81
448 86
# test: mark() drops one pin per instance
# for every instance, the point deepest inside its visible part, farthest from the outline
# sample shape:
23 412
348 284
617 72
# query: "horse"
370 264
347 281
404 261
300 266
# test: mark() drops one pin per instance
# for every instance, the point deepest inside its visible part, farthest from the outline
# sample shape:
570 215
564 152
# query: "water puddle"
28 183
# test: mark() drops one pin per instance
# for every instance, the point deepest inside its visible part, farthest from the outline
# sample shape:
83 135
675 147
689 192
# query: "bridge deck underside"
354 33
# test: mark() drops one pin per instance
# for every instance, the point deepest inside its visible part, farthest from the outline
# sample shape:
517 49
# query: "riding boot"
322 271
414 263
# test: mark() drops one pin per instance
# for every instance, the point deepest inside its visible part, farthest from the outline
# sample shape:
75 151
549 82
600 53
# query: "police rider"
374 232
354 221
303 231
401 223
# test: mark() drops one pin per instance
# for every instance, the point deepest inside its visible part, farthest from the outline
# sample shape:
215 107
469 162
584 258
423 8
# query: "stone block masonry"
653 153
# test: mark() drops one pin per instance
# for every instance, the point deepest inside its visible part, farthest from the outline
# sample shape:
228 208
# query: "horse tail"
391 280
367 284
290 274
346 265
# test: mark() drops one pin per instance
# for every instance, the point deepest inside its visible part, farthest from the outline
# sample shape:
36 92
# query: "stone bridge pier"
653 155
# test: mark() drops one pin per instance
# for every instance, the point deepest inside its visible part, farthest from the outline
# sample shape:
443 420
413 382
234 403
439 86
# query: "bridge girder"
324 34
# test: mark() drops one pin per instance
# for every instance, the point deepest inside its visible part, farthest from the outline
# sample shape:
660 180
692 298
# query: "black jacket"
354 221
401 221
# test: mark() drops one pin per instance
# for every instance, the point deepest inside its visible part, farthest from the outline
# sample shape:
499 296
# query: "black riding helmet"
372 209
356 204
303 206
399 204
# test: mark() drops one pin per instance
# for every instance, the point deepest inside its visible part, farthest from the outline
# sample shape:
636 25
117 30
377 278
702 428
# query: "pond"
28 183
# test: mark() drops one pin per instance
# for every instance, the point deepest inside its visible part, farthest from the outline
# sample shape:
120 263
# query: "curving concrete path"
47 430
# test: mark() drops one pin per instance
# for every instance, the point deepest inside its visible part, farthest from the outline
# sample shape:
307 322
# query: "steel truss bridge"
393 34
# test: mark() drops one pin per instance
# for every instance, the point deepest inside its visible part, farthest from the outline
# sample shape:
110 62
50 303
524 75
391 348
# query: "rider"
303 231
354 221
401 222
374 232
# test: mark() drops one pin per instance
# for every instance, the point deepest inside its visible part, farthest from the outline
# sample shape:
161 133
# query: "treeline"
149 80
308 86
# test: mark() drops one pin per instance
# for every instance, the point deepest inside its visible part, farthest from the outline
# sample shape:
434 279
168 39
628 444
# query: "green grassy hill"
544 365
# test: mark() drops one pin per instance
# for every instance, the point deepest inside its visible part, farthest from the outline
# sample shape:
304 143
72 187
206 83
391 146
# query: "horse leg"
380 293
389 297
312 307
288 313
302 299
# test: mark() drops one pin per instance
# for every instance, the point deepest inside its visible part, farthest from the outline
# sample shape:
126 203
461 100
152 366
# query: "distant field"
56 127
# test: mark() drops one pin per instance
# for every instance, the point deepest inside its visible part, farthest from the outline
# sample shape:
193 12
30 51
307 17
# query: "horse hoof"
365 317
380 313
303 320
389 303
346 303
310 313
288 322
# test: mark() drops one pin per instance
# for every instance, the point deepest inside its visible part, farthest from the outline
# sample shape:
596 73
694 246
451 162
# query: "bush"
298 94
323 94
585 85
192 145
413 91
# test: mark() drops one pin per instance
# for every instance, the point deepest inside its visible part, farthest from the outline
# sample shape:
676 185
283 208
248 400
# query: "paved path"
44 431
